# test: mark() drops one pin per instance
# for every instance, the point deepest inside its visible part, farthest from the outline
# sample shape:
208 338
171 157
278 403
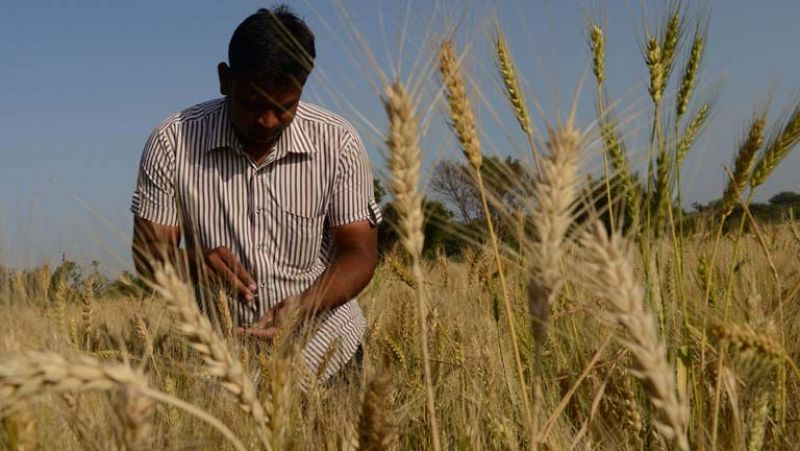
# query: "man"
271 195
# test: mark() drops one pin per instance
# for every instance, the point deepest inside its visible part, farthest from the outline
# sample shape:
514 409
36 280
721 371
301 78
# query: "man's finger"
266 320
237 268
230 278
257 332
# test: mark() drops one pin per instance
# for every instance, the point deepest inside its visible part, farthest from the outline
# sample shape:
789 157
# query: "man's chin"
263 138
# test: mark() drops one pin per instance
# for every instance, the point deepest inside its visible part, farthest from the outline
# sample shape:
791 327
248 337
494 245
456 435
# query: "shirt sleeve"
353 197
154 196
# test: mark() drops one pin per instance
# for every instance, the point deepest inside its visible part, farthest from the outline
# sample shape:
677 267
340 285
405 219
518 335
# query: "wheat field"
610 320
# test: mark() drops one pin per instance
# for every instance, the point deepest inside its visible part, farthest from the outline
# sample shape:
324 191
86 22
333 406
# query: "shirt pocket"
298 236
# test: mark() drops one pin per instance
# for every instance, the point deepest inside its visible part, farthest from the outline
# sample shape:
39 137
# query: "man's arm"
155 243
351 270
158 243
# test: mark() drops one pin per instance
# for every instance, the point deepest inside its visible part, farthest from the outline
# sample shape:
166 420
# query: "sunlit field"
572 303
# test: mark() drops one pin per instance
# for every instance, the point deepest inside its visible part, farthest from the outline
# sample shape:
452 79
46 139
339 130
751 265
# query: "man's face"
259 114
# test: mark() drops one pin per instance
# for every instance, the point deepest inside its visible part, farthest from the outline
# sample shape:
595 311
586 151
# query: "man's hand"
223 267
287 314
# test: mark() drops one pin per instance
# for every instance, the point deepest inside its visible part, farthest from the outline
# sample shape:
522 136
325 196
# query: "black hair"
273 47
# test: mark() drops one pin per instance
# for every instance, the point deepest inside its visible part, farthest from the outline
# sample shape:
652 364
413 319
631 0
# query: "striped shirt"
276 217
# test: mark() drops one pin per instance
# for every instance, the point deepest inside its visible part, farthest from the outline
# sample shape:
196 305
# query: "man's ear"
224 73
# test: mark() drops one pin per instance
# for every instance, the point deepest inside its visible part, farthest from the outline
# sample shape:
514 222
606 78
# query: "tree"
379 190
508 184
785 199
440 231
453 183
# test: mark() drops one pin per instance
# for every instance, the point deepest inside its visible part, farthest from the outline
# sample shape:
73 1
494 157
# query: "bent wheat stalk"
23 376
219 360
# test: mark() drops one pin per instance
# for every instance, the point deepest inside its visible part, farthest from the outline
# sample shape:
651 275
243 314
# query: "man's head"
270 57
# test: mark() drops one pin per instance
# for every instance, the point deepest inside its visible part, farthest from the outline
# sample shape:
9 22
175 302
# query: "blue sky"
83 83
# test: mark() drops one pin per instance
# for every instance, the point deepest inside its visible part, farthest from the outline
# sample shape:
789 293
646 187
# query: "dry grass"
473 382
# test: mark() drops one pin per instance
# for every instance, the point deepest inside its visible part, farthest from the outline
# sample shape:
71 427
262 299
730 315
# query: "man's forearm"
148 255
347 275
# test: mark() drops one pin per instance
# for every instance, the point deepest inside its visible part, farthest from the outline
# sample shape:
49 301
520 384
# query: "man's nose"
268 119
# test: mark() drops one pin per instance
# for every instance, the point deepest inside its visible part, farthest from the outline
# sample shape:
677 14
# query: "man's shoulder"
315 117
201 112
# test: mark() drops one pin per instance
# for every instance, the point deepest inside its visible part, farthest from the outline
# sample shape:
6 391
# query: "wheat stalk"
554 194
619 162
217 357
663 187
374 429
463 123
612 277
87 311
759 418
404 162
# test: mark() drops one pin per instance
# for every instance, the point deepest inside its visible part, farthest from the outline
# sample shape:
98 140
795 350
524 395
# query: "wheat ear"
553 195
404 162
612 277
513 89
463 117
746 340
777 149
759 418
597 42
19 430
87 312
743 164
224 307
219 360
691 132
400 270
30 374
655 66
463 123
374 432
25 375
137 421
690 74
619 162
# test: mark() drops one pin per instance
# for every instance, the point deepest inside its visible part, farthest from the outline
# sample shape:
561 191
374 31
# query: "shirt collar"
295 139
